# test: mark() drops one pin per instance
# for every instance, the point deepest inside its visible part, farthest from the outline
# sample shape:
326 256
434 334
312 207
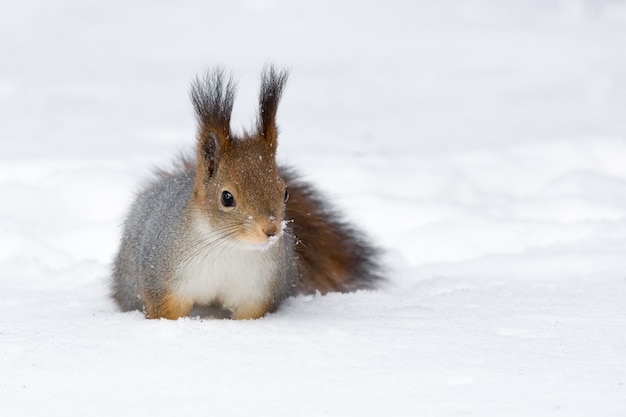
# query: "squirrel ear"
272 86
208 151
213 96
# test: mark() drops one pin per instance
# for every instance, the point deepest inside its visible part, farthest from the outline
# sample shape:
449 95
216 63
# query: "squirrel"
230 228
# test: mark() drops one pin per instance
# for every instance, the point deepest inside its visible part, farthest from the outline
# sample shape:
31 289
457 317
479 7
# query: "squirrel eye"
227 199
286 195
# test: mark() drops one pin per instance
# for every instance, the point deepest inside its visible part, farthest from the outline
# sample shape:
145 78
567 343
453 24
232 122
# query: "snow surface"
481 143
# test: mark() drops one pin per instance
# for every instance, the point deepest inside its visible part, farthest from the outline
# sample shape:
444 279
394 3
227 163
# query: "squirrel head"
238 188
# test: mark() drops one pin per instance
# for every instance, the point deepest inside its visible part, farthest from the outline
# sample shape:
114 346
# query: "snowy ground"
483 144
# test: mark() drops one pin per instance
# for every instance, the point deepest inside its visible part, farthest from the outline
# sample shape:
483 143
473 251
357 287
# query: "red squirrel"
232 229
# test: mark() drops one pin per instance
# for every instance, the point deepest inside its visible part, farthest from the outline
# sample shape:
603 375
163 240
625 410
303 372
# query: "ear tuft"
213 96
272 85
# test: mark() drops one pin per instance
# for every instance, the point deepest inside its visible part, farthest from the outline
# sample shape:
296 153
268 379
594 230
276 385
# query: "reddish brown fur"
169 306
333 256
251 311
240 162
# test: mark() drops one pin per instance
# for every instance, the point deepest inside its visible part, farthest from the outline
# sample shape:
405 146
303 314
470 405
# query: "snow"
481 143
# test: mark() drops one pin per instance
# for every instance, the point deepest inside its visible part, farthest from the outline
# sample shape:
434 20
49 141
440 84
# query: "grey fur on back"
151 229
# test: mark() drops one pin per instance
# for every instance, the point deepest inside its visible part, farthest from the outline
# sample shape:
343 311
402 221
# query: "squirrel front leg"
169 306
251 311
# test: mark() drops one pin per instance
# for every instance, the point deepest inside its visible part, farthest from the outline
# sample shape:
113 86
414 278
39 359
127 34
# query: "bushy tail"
333 255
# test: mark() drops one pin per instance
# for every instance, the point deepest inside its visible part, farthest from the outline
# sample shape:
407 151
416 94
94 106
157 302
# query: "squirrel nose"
270 230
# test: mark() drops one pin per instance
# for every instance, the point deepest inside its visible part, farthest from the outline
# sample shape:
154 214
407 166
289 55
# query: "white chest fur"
227 272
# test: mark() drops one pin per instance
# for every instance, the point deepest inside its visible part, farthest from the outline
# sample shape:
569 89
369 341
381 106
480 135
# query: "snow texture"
481 143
